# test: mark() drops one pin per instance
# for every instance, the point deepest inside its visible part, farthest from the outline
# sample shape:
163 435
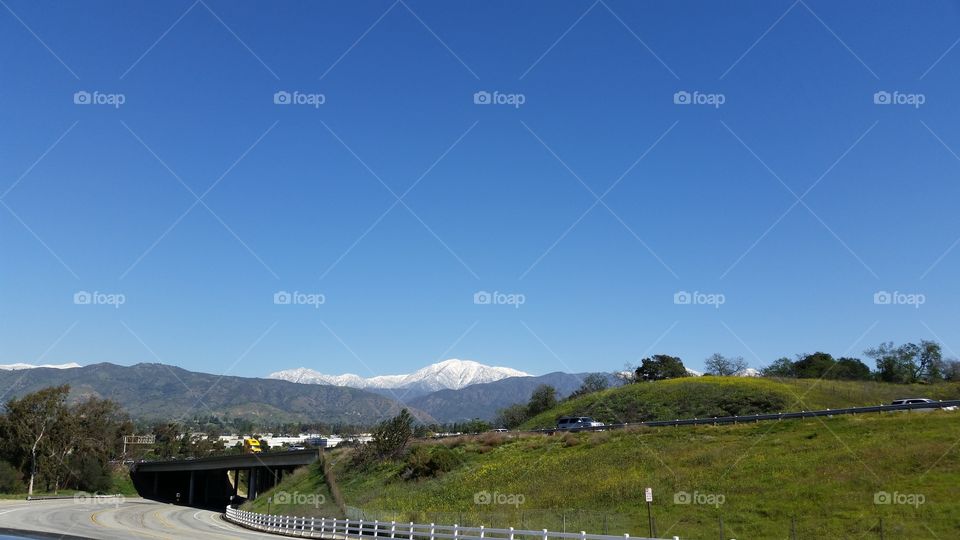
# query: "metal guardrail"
761 417
344 529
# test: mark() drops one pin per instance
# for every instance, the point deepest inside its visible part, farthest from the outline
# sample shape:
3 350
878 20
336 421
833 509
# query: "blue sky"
794 201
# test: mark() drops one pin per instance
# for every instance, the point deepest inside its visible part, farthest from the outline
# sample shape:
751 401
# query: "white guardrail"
342 529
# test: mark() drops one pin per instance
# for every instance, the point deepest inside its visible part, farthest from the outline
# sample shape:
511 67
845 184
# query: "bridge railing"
342 529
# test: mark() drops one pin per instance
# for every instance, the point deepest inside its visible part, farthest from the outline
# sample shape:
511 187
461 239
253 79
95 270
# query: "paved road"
115 520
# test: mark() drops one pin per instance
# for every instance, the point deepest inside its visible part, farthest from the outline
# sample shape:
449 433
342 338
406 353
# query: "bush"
425 461
10 479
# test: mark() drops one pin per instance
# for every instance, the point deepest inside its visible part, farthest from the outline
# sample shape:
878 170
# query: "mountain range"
449 391
162 392
452 374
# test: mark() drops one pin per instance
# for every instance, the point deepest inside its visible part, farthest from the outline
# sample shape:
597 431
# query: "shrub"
10 479
425 461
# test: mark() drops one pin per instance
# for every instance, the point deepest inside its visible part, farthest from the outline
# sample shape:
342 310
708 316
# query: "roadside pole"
648 496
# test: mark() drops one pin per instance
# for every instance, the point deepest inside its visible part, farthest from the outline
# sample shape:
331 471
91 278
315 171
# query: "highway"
113 519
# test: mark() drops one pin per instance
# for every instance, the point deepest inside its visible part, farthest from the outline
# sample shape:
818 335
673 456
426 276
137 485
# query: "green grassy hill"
825 477
703 397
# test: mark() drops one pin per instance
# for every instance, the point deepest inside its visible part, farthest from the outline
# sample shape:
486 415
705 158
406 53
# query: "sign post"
648 496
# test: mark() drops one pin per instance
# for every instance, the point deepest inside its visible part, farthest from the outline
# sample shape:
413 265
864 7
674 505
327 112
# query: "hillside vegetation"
704 397
836 477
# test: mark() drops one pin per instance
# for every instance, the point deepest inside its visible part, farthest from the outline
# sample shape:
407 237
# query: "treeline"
48 444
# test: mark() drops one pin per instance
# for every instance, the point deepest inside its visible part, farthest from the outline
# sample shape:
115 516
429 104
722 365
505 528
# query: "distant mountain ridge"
163 392
452 374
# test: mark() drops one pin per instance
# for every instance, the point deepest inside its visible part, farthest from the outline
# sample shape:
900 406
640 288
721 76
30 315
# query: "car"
577 422
911 401
916 401
498 430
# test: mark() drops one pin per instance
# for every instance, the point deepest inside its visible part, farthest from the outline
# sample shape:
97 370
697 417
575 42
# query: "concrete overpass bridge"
215 481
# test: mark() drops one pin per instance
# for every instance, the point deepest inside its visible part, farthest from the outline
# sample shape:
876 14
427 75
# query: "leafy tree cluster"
50 444
544 398
908 363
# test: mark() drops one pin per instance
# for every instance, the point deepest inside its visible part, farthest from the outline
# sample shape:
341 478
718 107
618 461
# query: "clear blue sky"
501 198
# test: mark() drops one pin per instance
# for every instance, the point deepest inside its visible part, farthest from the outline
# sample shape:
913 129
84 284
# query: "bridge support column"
252 487
191 488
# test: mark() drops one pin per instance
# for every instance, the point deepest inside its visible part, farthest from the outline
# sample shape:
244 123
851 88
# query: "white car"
577 422
917 401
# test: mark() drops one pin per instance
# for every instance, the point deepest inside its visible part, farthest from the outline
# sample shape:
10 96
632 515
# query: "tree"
813 366
512 416
390 437
951 370
544 397
909 362
29 422
782 367
594 382
717 364
850 369
659 367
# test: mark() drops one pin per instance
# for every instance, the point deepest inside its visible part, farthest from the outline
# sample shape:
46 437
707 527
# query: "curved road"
111 519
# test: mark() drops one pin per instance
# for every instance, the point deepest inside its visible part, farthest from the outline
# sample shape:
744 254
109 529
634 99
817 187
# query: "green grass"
825 473
703 397
819 476
303 493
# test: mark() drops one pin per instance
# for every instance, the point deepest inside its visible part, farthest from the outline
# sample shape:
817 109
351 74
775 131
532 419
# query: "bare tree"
717 364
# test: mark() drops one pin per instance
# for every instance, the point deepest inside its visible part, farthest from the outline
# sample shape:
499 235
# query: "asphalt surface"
112 519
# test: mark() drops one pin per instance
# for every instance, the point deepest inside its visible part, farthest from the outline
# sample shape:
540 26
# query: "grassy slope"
823 472
717 396
300 489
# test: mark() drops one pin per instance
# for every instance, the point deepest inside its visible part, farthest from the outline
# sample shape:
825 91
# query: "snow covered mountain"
14 367
450 374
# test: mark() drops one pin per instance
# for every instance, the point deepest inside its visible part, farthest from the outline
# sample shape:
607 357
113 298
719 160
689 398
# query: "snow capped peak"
449 374
14 367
